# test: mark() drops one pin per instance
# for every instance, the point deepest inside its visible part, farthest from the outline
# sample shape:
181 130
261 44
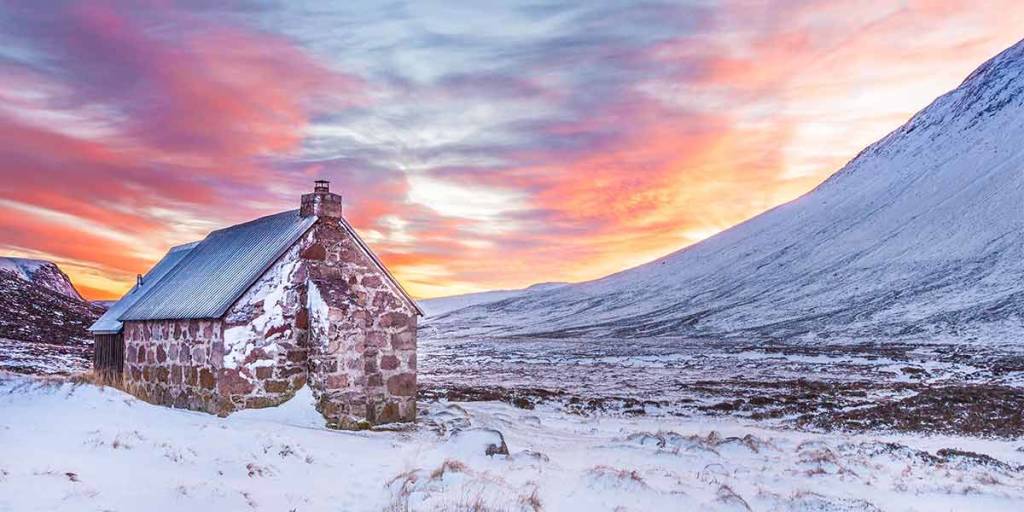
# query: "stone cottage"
247 316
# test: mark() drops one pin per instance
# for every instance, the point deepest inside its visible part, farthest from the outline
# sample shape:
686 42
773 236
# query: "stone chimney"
321 202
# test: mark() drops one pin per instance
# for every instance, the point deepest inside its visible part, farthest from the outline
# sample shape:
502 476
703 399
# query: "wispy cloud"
476 149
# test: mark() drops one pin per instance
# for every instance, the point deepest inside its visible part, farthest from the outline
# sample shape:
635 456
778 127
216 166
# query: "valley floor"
947 388
67 447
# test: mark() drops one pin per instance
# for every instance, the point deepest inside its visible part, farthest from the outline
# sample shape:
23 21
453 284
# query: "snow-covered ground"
85 448
43 358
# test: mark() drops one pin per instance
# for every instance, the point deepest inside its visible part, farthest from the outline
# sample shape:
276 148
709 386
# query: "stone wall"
362 335
175 363
265 355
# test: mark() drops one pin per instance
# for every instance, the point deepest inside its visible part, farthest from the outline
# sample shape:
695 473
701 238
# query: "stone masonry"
363 349
175 362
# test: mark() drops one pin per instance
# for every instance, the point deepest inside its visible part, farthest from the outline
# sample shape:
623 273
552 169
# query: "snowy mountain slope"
920 236
43 273
442 305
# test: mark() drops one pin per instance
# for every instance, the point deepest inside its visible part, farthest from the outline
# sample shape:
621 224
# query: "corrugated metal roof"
109 323
220 269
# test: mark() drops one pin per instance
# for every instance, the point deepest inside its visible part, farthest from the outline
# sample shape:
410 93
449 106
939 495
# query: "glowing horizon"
475 151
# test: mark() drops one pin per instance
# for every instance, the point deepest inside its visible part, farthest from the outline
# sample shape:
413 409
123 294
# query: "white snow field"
920 237
81 448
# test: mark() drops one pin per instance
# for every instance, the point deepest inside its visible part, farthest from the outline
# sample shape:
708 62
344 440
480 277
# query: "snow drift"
920 236
74 448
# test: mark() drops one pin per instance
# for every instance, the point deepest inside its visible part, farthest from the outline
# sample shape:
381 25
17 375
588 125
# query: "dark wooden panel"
108 358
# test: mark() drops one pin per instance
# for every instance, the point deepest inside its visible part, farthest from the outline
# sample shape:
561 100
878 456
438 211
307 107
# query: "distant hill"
42 273
442 305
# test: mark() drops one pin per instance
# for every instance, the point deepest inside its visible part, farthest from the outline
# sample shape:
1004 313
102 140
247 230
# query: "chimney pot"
321 203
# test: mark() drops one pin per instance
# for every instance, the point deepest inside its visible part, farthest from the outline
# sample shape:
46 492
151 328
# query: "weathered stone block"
404 340
234 383
394 319
389 362
276 386
206 379
336 381
376 339
198 356
403 384
302 319
315 252
292 370
348 256
389 413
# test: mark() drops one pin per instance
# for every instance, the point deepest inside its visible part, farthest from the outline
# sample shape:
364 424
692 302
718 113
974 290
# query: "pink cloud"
178 111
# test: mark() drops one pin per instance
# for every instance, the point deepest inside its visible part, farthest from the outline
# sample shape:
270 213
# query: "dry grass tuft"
531 501
57 382
448 466
726 495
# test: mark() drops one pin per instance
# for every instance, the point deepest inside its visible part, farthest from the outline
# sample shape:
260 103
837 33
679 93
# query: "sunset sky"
475 148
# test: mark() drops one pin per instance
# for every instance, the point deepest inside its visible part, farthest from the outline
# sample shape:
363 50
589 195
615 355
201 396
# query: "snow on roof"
219 269
109 322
